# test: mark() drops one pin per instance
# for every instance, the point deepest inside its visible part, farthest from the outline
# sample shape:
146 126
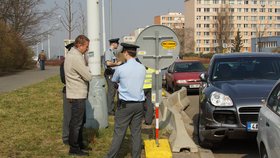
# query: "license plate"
252 126
194 86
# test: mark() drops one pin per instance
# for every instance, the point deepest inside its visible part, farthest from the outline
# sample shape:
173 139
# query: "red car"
184 73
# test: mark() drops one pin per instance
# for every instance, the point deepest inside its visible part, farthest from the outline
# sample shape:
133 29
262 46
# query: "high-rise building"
172 20
253 18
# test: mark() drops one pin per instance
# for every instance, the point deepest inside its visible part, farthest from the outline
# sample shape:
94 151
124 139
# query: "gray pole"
110 20
103 28
49 46
96 107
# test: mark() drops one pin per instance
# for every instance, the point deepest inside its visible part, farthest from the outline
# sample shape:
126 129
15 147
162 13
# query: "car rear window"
189 67
246 68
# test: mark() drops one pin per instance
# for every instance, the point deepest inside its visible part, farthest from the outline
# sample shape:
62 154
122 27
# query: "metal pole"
110 20
49 46
157 85
96 107
42 45
37 49
103 28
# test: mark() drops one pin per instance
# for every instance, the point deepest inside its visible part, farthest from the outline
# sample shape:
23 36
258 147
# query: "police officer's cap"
69 46
130 47
114 40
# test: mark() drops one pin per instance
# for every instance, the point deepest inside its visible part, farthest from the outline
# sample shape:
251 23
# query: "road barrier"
172 109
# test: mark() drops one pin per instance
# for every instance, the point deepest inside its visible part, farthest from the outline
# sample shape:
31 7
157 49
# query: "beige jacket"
77 75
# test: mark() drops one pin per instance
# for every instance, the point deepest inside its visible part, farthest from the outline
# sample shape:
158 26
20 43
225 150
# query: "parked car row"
239 97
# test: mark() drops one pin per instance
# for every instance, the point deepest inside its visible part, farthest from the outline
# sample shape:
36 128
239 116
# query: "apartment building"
253 18
172 20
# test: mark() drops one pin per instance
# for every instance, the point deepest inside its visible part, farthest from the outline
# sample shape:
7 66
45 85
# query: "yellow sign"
168 44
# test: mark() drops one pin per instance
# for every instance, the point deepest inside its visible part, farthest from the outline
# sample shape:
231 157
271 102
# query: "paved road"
230 148
26 78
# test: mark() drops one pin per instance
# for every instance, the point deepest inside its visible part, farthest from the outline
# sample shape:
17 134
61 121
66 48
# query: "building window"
262 18
215 1
239 1
215 9
253 25
197 41
262 9
253 10
246 18
231 1
254 18
239 18
245 33
239 10
198 33
246 10
198 25
254 2
207 49
198 17
278 17
206 9
245 25
206 33
206 25
246 2
262 2
198 9
198 1
238 25
207 18
206 42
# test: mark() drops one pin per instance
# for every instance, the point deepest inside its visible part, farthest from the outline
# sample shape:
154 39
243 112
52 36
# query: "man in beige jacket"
77 76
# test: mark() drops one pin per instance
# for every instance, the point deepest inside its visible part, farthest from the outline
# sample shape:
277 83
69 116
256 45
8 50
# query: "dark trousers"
131 116
148 107
76 123
42 64
66 118
110 93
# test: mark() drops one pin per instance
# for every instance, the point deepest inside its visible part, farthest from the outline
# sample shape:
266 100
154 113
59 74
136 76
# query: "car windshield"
189 67
244 68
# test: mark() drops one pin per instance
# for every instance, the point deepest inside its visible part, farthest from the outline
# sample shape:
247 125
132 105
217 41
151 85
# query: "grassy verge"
31 124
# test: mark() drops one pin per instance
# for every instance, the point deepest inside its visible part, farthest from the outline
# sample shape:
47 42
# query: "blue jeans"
42 64
76 123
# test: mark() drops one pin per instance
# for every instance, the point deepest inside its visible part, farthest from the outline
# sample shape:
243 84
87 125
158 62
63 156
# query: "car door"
270 122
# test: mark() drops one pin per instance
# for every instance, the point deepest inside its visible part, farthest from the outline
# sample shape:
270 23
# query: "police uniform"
130 78
149 106
110 55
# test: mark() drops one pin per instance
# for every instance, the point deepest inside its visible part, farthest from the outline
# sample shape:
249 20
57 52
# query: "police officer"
130 79
148 105
110 65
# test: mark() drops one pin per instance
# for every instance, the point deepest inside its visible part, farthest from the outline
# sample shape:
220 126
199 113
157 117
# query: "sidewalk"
26 78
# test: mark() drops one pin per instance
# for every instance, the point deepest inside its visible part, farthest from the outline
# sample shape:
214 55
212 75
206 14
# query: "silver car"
268 136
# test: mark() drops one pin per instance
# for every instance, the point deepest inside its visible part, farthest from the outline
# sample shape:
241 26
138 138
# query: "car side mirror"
169 71
203 77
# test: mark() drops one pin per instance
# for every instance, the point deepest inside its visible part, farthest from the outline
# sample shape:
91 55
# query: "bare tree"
82 20
25 18
189 40
68 21
180 34
223 27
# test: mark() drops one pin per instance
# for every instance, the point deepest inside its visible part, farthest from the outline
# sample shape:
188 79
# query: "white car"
268 137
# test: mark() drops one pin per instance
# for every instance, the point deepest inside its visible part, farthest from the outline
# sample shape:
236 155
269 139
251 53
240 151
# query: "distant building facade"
133 36
265 44
249 16
173 20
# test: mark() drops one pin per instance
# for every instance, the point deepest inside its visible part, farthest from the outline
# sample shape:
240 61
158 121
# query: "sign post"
159 47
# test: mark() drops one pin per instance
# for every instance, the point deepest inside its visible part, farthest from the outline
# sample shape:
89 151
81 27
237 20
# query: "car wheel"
202 141
263 152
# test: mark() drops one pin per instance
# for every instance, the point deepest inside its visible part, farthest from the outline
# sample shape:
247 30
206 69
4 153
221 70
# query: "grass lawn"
31 124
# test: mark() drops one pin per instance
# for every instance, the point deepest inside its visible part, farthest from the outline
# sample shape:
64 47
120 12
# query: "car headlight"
181 81
219 99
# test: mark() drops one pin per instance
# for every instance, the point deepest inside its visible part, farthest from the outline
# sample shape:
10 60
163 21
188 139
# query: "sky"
127 16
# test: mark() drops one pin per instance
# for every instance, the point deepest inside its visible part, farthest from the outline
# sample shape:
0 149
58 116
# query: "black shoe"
86 148
78 153
66 142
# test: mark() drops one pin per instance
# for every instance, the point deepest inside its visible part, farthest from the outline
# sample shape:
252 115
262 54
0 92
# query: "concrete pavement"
25 78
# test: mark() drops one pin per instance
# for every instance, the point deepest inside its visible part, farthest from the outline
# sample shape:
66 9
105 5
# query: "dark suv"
231 95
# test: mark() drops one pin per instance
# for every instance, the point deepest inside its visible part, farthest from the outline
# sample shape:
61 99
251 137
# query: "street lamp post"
49 46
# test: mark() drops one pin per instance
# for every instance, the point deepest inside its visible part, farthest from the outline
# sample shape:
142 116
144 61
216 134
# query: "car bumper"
225 122
190 87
